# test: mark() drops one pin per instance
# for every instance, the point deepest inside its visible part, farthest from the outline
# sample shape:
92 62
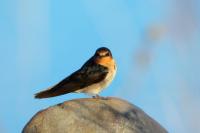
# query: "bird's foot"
96 96
99 97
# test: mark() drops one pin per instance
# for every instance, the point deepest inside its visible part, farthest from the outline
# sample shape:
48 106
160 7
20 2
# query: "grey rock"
110 115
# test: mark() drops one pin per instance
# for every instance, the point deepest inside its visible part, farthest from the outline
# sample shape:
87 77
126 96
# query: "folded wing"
89 74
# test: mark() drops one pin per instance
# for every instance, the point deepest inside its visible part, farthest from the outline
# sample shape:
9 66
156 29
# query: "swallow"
94 76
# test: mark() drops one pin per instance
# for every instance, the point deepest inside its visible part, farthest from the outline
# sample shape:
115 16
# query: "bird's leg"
99 97
96 96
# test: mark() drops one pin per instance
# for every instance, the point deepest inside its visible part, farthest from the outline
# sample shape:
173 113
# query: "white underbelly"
98 87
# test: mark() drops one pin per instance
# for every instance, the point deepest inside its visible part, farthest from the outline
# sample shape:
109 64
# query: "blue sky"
41 42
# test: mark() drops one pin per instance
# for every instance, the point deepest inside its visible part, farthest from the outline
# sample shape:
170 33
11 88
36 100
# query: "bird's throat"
106 61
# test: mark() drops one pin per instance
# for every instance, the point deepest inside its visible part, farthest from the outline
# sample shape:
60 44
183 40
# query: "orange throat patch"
106 61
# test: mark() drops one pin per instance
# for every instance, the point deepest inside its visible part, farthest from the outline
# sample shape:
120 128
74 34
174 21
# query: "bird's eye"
108 54
98 54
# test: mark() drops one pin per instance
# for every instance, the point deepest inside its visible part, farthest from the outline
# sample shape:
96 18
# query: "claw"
96 96
99 97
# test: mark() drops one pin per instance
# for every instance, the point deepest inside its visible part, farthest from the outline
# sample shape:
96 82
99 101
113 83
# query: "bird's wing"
86 76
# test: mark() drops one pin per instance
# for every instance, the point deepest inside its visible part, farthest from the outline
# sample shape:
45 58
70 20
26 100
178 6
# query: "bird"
94 76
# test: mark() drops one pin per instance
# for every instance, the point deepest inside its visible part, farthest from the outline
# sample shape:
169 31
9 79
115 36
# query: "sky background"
156 44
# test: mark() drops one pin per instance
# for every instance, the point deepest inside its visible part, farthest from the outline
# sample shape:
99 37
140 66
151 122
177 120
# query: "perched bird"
95 75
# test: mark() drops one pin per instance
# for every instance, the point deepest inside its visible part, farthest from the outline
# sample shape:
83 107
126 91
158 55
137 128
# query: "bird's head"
103 52
103 56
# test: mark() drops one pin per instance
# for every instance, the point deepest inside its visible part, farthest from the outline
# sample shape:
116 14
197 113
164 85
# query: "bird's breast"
97 87
110 76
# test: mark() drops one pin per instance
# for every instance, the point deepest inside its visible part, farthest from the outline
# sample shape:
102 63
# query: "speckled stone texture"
111 115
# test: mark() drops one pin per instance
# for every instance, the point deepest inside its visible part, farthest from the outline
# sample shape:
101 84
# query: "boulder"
93 115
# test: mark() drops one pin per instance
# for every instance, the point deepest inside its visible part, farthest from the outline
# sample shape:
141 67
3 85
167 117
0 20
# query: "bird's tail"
50 92
44 94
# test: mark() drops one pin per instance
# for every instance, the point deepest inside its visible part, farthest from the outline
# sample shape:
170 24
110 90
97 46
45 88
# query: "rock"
110 115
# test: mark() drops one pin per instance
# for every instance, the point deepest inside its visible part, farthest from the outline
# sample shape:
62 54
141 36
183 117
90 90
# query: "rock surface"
111 115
